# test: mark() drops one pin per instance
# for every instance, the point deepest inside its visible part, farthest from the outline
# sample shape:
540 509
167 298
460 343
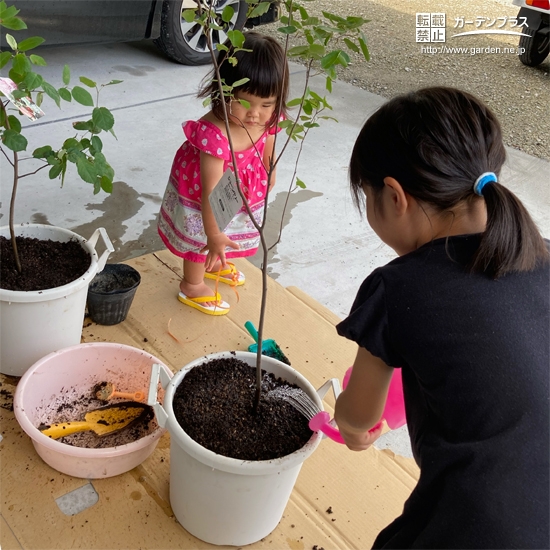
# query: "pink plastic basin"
73 371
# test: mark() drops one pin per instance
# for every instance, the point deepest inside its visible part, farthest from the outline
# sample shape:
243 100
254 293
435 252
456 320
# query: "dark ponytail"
436 142
511 240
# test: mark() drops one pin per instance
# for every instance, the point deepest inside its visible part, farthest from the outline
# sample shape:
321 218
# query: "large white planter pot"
223 500
36 323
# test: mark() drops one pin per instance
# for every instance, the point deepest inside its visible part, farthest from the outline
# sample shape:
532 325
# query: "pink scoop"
393 414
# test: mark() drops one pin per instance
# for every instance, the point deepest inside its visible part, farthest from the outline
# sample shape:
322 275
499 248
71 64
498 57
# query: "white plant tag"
25 105
225 199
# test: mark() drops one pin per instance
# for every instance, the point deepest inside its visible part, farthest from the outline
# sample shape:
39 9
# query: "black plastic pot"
111 292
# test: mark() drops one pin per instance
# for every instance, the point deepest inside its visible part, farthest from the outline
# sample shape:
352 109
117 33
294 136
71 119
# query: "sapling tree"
323 44
27 88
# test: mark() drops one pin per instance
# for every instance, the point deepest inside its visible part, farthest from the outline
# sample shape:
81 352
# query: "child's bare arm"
361 405
217 241
268 154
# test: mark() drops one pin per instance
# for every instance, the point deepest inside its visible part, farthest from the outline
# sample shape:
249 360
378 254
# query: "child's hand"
216 245
361 441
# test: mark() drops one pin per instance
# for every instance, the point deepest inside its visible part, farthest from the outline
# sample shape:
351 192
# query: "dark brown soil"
214 405
45 264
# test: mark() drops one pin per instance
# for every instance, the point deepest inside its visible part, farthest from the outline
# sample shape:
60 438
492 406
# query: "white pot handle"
108 244
159 373
333 383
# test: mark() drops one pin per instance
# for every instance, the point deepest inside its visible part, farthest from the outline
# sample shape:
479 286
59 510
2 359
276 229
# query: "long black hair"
262 60
436 142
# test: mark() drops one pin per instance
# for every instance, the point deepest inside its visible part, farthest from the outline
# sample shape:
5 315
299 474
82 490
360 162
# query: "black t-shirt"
474 354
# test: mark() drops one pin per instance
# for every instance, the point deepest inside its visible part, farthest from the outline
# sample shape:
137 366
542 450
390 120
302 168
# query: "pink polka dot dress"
180 220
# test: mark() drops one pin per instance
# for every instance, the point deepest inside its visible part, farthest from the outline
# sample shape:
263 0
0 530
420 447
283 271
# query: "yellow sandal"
221 307
230 275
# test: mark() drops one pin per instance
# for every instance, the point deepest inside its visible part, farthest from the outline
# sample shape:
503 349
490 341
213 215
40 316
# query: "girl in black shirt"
464 312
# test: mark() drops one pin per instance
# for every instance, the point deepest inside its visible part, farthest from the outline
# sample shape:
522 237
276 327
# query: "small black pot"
111 292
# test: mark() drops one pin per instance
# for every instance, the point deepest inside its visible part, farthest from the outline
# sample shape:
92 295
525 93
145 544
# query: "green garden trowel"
270 348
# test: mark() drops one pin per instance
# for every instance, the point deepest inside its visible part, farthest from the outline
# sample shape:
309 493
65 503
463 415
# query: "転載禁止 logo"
431 27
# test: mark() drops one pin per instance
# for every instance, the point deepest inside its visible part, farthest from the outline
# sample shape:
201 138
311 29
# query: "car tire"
185 42
536 47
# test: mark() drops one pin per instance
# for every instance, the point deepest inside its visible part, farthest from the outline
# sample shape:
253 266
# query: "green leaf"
113 82
300 183
351 45
51 92
96 144
55 170
86 170
328 84
4 58
32 81
15 123
227 14
42 152
259 9
317 51
82 96
106 184
244 103
236 38
71 142
37 60
66 75
83 126
2 118
7 13
240 82
298 50
364 48
84 144
355 22
15 76
88 82
39 98
103 118
222 47
14 24
30 43
286 123
290 29
65 94
21 64
14 140
11 41
189 15
295 102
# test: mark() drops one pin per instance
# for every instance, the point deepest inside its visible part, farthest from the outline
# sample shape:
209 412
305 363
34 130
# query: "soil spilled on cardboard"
214 405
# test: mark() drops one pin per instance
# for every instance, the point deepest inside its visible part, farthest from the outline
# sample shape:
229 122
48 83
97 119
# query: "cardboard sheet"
364 491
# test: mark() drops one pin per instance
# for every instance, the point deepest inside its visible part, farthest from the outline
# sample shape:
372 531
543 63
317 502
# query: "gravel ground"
519 95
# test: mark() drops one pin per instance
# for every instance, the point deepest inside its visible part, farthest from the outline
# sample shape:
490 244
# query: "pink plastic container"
72 371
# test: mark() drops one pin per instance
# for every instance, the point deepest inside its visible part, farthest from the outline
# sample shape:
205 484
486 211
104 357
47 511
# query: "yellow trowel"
102 421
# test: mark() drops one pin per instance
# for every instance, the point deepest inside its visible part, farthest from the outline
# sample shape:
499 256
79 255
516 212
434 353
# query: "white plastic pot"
223 500
35 323
58 378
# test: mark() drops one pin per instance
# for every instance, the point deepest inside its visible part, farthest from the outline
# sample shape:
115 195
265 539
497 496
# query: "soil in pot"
45 264
74 407
214 405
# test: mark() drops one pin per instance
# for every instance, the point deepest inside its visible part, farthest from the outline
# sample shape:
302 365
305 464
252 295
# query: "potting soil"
45 264
70 405
214 405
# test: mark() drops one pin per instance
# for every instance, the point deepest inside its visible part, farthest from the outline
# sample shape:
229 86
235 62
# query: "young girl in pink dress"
186 222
